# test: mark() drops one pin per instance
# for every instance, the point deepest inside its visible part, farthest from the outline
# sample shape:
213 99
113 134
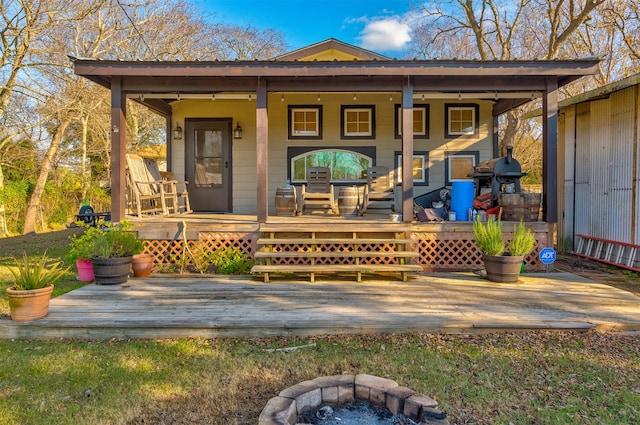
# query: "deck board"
219 306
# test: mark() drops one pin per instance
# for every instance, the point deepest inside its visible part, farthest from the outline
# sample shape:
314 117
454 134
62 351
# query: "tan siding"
244 151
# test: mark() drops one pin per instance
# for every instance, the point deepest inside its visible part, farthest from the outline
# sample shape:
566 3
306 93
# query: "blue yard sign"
547 255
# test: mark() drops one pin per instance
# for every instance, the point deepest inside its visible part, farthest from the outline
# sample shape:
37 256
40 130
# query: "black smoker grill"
498 174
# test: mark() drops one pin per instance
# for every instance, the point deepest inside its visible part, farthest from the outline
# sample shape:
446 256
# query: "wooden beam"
118 150
407 151
550 152
401 68
262 151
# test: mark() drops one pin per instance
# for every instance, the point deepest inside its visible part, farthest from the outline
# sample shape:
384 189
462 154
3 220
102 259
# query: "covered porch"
355 81
417 118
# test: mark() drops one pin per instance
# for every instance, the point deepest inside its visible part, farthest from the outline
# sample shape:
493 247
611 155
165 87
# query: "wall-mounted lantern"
237 131
177 132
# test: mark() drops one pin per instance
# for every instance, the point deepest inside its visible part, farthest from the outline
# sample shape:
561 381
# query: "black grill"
499 175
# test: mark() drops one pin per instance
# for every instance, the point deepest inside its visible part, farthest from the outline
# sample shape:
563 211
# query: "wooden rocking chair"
317 194
379 193
151 193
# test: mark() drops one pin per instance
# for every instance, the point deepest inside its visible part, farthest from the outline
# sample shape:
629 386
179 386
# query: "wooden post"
550 152
118 149
407 151
262 152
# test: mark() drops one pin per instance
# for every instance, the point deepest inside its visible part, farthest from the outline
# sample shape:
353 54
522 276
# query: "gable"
330 50
330 55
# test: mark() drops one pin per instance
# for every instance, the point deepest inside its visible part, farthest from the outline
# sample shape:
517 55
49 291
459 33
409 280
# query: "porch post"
550 152
262 145
407 151
118 149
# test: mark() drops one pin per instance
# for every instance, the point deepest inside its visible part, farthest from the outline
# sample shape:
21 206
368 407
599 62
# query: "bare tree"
503 30
37 36
235 42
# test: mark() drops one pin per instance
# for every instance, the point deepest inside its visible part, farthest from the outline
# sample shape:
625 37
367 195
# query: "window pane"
344 165
305 122
357 122
417 169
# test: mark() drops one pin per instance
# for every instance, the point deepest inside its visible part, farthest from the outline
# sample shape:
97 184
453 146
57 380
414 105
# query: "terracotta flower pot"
142 264
29 304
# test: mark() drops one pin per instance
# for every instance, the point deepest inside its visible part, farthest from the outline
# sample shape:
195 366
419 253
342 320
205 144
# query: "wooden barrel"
286 200
517 206
348 200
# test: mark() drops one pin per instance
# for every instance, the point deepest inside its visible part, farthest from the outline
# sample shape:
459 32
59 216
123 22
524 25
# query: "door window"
208 158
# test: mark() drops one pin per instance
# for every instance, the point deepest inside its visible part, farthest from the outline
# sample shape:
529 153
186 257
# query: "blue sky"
381 26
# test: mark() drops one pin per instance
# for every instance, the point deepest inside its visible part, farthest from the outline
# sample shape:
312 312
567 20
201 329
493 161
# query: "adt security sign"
547 255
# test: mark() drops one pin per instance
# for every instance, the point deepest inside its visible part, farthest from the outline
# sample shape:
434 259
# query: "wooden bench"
330 250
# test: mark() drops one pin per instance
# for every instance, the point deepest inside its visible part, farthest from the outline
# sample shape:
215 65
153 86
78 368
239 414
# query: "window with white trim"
345 165
305 122
420 121
358 122
461 120
458 165
420 169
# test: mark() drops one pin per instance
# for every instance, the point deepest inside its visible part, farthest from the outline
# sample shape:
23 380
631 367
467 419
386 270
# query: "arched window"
345 165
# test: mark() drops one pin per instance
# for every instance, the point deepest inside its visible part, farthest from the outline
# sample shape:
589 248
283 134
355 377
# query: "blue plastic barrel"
462 198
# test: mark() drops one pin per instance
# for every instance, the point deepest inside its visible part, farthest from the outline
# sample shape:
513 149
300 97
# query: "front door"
208 164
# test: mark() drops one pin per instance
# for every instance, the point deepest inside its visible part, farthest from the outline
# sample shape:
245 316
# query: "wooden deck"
169 306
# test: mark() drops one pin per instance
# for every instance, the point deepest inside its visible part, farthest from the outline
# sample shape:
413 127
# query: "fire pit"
322 399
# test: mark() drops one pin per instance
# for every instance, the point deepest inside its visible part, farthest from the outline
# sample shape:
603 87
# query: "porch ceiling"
453 76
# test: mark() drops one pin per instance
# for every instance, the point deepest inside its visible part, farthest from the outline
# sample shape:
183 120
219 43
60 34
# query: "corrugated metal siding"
620 191
601 153
566 168
636 176
583 169
607 203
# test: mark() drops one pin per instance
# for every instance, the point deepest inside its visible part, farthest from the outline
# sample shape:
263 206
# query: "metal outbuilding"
599 199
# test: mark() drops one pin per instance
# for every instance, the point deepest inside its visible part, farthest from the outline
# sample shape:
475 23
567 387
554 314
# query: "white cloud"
383 34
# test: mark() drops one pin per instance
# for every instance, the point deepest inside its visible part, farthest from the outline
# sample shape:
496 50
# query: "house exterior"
599 207
450 107
239 130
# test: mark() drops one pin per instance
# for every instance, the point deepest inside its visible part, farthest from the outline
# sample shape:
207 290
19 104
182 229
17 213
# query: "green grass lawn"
499 378
523 378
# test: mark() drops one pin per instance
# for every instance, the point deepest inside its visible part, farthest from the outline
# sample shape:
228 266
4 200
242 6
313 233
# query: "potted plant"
112 252
30 294
142 264
502 262
81 250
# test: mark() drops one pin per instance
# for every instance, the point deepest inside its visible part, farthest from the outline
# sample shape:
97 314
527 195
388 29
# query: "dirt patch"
599 272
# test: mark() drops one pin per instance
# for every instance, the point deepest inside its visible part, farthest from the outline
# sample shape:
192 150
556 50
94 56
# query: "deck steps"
331 249
619 254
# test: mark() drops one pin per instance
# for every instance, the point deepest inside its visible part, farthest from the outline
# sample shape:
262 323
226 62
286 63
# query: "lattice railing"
457 251
169 252
446 251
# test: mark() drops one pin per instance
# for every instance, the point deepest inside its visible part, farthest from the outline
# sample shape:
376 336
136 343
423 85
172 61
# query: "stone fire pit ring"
343 389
